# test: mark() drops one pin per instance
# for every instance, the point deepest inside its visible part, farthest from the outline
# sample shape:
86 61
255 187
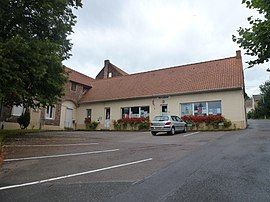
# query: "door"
68 121
107 118
181 123
176 123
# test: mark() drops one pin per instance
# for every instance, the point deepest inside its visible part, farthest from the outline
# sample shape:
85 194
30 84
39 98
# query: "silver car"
169 124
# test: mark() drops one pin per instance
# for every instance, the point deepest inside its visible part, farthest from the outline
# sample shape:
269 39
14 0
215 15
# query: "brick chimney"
106 68
238 54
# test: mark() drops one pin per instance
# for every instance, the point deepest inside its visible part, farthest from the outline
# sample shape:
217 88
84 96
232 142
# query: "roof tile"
219 74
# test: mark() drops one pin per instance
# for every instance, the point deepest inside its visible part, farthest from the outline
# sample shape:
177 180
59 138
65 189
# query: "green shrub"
92 125
24 119
227 123
144 126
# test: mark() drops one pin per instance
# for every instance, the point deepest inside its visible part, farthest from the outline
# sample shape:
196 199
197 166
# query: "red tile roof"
78 77
212 75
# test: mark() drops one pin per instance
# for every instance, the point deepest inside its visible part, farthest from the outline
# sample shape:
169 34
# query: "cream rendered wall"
232 104
34 121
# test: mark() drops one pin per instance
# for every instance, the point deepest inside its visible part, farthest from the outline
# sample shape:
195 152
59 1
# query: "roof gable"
110 70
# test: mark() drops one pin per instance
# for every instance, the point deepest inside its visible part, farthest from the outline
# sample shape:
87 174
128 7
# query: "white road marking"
191 134
74 175
61 155
51 145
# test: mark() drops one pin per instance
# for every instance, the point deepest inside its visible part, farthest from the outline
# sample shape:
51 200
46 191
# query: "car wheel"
185 129
153 133
172 132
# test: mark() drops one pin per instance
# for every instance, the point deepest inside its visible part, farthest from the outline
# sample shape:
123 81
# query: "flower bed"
210 122
132 124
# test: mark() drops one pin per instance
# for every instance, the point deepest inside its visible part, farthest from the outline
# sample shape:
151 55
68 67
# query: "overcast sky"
144 35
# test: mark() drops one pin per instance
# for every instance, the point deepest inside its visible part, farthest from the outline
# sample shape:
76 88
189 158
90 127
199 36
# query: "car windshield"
161 118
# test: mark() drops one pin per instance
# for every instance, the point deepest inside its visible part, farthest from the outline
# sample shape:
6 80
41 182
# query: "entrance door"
68 121
107 118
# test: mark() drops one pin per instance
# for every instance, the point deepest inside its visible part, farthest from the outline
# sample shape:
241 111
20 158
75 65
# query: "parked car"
169 124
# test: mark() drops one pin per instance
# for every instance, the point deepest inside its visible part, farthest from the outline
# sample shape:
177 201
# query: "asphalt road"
106 166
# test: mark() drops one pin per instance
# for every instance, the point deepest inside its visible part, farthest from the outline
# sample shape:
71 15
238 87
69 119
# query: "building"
248 104
212 87
62 115
252 103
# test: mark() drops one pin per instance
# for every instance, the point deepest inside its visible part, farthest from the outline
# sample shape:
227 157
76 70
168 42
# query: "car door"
181 123
176 123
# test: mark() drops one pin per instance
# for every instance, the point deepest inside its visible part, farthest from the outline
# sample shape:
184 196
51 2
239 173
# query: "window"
125 112
161 118
178 119
135 112
186 109
88 113
108 113
73 86
145 112
164 108
110 75
214 107
17 110
200 108
49 113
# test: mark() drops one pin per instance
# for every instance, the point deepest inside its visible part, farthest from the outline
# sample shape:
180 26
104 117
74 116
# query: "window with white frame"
49 112
135 112
214 107
17 110
125 112
201 108
187 109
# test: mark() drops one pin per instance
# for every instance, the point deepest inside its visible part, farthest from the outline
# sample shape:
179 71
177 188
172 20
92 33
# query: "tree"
255 39
33 44
262 109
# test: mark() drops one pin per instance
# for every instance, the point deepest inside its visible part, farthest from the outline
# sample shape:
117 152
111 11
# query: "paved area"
135 166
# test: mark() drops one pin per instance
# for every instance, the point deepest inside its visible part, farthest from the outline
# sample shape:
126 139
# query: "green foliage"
227 123
262 110
92 125
33 44
255 39
250 114
132 124
24 119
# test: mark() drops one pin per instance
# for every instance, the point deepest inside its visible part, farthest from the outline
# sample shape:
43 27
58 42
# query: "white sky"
151 34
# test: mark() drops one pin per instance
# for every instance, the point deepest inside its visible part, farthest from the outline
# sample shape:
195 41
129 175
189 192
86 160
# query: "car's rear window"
161 118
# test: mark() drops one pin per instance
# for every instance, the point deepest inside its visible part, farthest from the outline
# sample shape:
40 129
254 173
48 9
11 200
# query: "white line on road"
61 155
51 145
74 175
191 134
